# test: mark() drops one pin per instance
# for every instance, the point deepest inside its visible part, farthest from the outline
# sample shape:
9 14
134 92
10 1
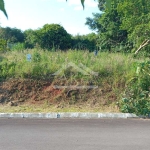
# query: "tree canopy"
53 35
11 35
126 26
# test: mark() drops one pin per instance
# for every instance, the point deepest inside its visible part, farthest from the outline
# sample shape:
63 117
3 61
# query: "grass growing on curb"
45 109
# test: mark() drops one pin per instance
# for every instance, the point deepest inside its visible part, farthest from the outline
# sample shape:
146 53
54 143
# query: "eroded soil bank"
30 92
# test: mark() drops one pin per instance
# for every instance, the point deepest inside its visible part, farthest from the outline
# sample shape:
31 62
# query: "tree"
128 23
136 20
53 35
30 38
107 24
93 23
11 35
84 42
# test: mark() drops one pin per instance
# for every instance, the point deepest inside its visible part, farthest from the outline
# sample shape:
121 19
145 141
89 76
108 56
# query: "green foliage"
125 27
93 23
139 35
114 65
3 45
113 69
18 46
30 38
36 57
135 19
2 7
107 24
7 69
11 35
84 42
133 13
137 95
82 2
53 35
108 3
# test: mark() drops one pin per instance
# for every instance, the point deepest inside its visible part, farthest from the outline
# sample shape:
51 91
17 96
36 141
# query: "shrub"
7 69
53 35
137 94
3 45
18 46
36 57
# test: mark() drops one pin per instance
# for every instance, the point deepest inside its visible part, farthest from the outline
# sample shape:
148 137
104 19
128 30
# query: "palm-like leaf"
82 2
108 3
2 7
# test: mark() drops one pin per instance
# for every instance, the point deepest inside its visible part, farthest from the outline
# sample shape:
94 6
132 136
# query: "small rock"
12 103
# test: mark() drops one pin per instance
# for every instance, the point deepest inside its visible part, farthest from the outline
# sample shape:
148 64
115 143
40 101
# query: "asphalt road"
74 134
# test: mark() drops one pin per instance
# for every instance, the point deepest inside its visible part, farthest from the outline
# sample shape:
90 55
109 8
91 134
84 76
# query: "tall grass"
44 63
114 70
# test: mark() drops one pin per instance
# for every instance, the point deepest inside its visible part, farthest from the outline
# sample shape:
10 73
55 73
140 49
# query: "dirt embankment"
36 92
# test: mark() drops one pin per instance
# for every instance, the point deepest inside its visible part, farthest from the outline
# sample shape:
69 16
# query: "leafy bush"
36 57
30 38
18 46
84 42
53 35
11 35
137 94
3 45
7 69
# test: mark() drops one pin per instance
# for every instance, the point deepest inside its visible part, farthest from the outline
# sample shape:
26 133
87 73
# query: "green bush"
53 35
36 57
7 69
3 45
84 42
137 94
18 46
11 35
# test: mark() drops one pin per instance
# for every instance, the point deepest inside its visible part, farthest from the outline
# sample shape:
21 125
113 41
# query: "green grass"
115 65
54 108
114 70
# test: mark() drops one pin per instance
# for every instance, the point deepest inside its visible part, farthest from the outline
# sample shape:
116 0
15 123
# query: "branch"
145 43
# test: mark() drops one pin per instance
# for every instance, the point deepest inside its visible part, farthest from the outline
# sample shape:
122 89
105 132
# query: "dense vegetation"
121 26
125 27
114 71
50 36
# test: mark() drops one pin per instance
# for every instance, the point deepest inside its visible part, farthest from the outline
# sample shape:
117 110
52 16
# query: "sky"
33 14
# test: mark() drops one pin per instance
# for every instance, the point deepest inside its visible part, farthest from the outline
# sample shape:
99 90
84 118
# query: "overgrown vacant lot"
31 86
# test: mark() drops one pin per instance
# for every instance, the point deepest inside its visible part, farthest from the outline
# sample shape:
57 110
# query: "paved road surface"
74 134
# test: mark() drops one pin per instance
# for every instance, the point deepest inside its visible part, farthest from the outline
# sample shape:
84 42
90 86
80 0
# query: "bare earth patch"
28 95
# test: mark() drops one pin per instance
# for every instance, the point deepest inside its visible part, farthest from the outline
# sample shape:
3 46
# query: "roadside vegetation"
28 83
118 50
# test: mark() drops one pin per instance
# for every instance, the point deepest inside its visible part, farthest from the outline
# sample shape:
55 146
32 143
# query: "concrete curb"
68 115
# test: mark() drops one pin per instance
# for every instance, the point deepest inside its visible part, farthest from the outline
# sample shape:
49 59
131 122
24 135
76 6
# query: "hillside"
30 86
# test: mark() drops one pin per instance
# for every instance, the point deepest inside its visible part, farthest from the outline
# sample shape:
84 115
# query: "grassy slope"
114 70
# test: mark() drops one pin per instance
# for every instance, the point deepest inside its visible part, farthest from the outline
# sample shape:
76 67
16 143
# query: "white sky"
33 14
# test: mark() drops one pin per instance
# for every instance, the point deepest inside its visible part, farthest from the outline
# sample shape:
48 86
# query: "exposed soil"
36 92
